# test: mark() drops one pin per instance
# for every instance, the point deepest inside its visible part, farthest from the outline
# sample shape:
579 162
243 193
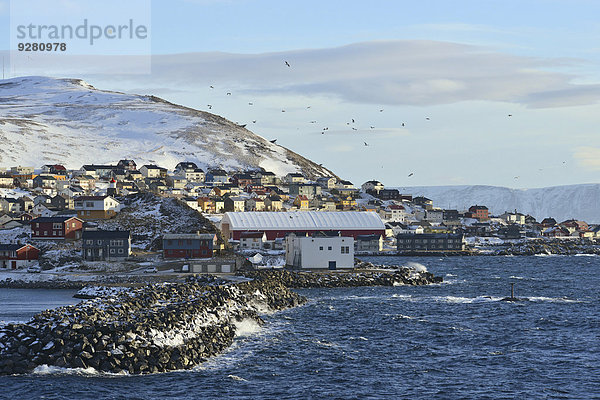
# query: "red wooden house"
17 255
480 213
56 228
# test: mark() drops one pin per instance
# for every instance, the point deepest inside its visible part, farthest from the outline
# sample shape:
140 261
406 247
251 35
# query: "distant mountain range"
67 121
560 202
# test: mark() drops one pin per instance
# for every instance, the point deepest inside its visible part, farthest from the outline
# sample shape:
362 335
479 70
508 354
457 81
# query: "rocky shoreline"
547 247
167 326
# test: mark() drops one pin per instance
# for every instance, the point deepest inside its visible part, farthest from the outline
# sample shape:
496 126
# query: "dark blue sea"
455 340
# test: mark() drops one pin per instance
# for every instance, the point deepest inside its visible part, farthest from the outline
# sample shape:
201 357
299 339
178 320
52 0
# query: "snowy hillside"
560 202
67 121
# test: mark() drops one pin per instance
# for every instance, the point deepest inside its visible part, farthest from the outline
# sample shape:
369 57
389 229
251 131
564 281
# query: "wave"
54 370
554 299
246 327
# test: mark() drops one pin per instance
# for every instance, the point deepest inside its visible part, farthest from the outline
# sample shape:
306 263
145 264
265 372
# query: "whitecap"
236 378
418 267
554 299
54 370
246 327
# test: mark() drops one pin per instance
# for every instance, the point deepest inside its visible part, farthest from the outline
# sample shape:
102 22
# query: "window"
328 247
45 233
73 225
89 242
320 247
120 251
112 251
56 225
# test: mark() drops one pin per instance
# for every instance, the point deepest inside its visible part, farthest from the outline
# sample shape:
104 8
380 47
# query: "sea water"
452 340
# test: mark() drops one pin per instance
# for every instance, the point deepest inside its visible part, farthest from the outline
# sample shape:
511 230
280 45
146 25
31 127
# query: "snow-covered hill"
67 121
561 202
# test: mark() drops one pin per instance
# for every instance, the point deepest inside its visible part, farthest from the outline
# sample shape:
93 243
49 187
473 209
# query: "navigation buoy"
512 295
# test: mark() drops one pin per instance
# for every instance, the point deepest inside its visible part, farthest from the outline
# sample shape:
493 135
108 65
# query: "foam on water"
418 267
554 299
246 327
89 371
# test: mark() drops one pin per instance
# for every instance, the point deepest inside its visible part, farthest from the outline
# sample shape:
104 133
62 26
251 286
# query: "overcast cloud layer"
399 72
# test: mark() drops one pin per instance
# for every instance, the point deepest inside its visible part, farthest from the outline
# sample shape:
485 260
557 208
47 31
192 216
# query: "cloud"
399 72
588 157
411 72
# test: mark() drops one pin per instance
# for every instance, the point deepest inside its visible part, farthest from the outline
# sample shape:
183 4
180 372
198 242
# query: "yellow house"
301 202
206 204
347 202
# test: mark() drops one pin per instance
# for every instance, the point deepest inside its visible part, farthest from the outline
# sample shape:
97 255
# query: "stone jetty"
166 326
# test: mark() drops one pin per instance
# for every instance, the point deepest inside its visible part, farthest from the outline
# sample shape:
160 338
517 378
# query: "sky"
408 93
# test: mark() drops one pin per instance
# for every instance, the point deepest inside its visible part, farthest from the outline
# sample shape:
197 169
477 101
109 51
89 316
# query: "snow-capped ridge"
560 202
68 121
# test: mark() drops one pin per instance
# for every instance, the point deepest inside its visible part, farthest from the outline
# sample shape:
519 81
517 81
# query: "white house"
513 218
252 240
372 185
327 182
152 171
394 212
319 252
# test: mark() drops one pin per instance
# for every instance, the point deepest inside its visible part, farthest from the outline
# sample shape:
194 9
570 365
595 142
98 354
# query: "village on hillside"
52 216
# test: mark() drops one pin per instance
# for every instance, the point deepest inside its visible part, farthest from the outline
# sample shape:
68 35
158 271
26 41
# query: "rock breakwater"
156 328
168 326
371 275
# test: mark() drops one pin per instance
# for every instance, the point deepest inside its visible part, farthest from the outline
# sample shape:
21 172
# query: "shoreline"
163 327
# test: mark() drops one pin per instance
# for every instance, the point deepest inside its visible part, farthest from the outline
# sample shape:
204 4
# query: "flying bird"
211 86
366 144
282 110
354 129
427 118
228 93
352 120
288 64
273 141
313 122
403 124
411 174
372 127
250 104
209 106
253 121
381 110
510 115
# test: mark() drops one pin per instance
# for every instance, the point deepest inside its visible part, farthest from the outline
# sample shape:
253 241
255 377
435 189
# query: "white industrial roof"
303 220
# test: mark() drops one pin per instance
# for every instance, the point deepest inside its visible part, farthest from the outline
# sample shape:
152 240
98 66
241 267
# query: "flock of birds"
351 123
323 130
